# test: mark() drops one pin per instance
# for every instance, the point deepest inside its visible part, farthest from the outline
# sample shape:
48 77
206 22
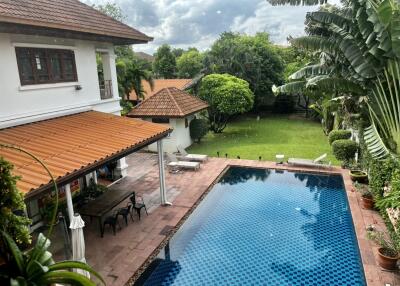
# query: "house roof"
73 145
169 102
159 84
68 15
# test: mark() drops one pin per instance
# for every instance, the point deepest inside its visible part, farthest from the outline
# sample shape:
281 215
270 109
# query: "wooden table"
103 204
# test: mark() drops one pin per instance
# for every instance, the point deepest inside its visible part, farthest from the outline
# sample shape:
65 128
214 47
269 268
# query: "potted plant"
359 176
389 251
367 197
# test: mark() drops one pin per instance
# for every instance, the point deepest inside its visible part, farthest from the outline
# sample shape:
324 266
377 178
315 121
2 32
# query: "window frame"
160 120
29 53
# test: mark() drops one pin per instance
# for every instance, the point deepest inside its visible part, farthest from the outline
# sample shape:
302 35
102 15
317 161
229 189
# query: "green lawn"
267 137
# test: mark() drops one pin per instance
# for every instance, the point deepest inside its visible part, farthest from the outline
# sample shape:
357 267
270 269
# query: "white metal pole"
70 206
163 188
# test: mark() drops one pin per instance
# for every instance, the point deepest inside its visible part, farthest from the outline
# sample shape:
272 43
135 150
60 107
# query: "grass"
248 138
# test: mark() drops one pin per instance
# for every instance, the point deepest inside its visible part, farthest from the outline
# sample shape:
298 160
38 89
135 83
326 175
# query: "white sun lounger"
318 162
190 157
175 163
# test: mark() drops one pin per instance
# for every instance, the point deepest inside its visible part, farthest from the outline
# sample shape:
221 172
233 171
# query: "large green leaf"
294 87
63 265
65 277
384 12
15 252
395 33
374 143
315 43
326 17
311 70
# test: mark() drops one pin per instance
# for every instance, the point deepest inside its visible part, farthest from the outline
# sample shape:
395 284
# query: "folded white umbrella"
78 242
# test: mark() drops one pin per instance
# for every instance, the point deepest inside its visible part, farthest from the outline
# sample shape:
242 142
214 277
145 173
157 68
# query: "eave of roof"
68 15
70 146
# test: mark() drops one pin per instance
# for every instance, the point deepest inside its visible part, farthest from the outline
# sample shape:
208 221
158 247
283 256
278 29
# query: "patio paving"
119 257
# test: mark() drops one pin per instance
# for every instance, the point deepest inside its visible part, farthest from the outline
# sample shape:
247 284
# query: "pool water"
264 227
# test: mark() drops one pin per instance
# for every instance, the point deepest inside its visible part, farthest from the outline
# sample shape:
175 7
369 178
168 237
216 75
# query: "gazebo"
174 107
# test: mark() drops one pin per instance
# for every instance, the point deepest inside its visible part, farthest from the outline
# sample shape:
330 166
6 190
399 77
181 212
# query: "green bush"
198 129
344 149
12 206
338 134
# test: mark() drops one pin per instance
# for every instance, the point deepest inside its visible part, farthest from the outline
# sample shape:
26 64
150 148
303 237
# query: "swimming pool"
264 227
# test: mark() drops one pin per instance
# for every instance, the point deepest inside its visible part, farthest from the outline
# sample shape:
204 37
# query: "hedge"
338 134
198 129
344 149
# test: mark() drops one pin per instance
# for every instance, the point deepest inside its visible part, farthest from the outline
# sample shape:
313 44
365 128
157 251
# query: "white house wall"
22 104
179 136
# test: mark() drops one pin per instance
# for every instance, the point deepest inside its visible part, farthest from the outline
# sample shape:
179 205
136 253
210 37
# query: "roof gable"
169 102
70 15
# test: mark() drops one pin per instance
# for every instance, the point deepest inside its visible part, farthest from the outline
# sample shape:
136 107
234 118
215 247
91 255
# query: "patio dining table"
102 205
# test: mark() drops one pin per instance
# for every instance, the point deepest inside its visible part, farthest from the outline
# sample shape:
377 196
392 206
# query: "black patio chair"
111 221
137 206
124 212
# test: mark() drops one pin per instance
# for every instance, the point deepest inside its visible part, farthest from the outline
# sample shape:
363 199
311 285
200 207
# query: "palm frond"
327 17
374 143
315 43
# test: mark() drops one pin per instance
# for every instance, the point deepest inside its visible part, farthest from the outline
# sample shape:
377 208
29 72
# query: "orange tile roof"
73 145
159 84
71 15
169 102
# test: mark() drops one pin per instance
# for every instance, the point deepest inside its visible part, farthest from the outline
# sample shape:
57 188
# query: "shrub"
198 129
338 134
344 149
12 205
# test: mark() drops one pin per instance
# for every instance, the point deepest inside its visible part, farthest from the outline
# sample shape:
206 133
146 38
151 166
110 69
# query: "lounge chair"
190 157
318 162
175 163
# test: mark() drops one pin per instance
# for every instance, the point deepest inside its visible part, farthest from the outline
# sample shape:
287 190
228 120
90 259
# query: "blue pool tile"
262 227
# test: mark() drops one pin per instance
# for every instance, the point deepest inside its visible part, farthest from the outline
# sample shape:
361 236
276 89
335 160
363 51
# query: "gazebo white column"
163 189
68 197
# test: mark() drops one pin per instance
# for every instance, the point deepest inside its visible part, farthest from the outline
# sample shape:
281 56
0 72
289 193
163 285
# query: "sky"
198 23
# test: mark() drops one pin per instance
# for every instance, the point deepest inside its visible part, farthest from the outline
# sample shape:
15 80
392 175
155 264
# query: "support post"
68 197
163 193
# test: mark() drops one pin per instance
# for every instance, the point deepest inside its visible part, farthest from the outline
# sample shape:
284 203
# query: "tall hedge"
338 134
344 149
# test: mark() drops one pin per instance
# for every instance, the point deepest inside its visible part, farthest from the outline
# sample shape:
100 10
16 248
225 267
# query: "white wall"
22 104
179 136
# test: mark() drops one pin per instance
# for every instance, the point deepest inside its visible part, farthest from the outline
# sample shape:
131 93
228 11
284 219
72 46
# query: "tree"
252 58
189 64
130 76
359 51
164 65
112 10
226 95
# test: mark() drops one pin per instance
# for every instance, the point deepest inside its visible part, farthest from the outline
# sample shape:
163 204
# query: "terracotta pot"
367 202
387 262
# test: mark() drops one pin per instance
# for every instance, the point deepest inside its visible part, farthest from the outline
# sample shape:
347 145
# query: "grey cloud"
198 23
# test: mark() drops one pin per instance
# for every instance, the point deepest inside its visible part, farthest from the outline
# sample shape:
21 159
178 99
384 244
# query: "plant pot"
359 176
367 202
387 262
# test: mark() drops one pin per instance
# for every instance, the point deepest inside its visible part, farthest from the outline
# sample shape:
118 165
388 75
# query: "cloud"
184 23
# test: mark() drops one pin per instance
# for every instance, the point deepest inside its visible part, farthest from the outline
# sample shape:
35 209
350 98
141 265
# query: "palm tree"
131 74
358 47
